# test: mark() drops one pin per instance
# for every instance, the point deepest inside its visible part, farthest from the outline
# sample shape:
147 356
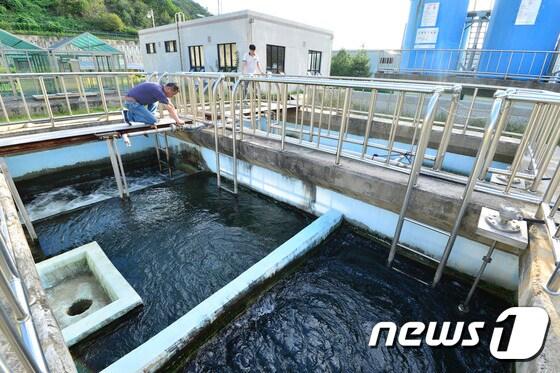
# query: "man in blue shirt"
142 100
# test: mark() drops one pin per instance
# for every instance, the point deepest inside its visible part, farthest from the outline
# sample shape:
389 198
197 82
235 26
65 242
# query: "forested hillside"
115 16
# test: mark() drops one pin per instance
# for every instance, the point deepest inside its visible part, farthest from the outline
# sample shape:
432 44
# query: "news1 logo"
528 333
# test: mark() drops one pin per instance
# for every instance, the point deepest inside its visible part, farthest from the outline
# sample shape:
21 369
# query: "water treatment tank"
434 28
520 25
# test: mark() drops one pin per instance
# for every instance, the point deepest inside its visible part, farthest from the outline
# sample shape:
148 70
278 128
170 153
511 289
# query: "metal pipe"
464 307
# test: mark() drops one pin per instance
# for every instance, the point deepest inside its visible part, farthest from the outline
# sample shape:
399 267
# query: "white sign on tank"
528 12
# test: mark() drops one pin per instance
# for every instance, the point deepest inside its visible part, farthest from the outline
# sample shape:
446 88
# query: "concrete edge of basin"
50 336
123 296
535 268
154 353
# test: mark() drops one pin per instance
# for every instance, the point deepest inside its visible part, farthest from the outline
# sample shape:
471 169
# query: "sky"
372 24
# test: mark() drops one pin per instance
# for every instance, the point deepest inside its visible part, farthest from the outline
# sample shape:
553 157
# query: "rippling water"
176 244
43 204
319 319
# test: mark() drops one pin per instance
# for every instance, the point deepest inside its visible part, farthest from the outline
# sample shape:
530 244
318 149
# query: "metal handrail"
450 61
309 88
22 337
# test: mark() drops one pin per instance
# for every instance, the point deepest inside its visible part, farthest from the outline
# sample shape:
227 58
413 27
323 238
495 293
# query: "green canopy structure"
92 54
20 55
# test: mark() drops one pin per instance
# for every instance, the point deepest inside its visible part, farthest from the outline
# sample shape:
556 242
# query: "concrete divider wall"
465 257
29 164
153 354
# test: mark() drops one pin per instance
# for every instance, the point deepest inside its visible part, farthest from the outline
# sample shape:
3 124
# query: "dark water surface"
319 318
175 243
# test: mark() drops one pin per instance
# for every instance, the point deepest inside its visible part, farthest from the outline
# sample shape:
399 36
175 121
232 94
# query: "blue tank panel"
528 25
436 34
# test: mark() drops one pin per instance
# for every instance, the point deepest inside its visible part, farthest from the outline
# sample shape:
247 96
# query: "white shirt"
250 63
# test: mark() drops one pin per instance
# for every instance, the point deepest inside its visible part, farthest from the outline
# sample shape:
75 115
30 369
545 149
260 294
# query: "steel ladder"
485 152
218 90
163 153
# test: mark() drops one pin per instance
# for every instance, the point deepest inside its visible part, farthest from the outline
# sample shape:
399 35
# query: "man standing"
250 62
142 100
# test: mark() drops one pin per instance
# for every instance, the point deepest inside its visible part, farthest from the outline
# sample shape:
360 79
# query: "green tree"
360 66
110 22
345 64
340 64
71 7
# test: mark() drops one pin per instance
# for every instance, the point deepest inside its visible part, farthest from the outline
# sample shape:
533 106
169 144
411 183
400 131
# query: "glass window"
314 63
227 57
171 46
196 57
385 60
275 56
150 48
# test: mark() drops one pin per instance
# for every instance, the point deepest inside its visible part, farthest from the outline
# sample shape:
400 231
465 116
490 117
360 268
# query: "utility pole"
151 15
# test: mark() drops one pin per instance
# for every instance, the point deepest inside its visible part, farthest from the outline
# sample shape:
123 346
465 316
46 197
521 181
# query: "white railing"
481 63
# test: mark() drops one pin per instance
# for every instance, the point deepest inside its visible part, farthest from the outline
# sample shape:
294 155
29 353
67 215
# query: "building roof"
237 15
11 41
85 42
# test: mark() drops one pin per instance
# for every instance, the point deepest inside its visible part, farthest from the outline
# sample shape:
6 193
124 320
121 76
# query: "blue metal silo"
434 29
520 25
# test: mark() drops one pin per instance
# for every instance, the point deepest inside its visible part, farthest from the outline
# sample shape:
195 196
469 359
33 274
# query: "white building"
218 43
380 61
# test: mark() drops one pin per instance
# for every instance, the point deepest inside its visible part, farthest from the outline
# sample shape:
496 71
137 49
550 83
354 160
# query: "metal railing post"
342 129
415 170
477 169
447 132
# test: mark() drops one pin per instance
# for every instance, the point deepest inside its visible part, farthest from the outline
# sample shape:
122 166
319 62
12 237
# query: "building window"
171 46
314 65
227 57
275 58
196 57
385 60
151 48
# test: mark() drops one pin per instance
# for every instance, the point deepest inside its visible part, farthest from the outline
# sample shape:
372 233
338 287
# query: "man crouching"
142 100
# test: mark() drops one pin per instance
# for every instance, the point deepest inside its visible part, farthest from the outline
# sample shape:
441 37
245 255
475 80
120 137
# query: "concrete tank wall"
466 254
21 165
